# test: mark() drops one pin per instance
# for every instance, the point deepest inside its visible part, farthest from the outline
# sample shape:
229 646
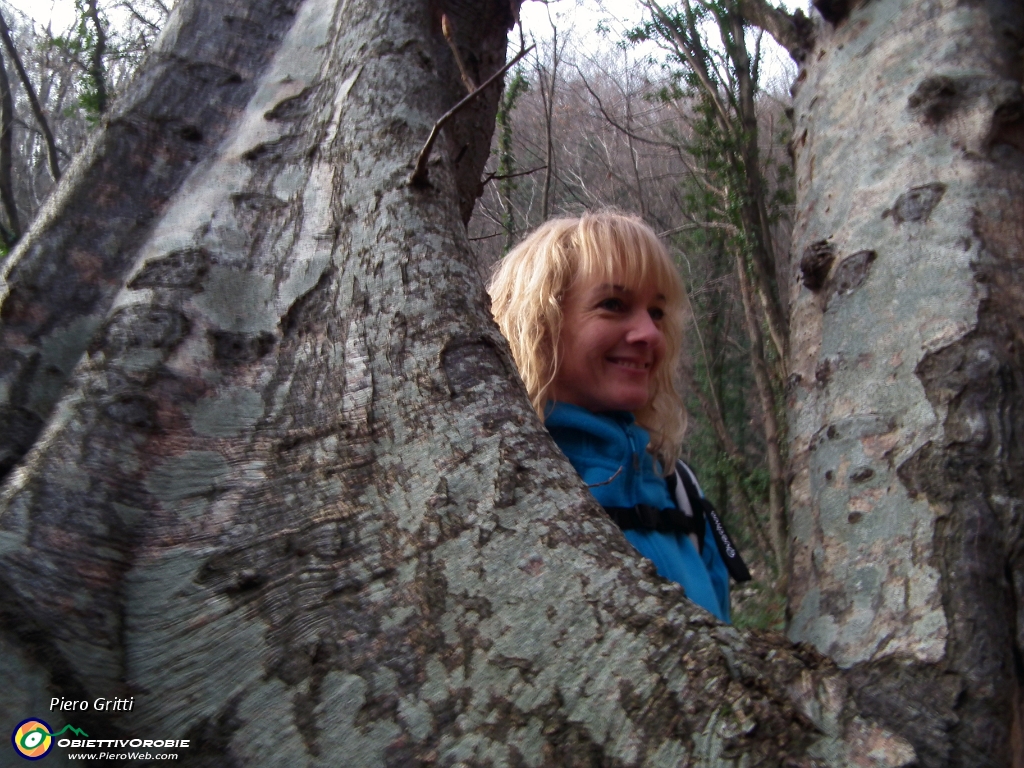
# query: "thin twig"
419 176
605 482
502 176
446 30
730 228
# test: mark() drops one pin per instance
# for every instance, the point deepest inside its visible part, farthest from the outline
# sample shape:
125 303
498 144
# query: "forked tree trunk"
907 396
292 498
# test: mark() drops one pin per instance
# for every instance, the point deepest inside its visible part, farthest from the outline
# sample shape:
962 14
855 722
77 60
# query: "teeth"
631 364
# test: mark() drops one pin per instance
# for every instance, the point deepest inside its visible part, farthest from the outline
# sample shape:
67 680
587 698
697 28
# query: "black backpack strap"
730 554
647 518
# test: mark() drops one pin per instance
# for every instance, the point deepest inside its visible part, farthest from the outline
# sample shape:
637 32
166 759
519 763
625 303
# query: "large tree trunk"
290 496
907 393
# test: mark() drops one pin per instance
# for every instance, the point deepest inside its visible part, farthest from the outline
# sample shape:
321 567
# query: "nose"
643 330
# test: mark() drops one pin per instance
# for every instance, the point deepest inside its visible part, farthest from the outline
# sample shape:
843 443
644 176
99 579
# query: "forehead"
646 291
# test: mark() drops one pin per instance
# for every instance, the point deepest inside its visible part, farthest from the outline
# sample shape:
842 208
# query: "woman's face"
611 344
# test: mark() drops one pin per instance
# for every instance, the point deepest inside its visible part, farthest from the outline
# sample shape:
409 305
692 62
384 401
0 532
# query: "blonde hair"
529 284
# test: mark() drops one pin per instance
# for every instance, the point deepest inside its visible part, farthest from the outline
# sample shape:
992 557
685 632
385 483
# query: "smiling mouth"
634 364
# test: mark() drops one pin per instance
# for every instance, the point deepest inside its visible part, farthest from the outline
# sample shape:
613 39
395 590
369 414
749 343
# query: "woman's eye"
612 305
656 313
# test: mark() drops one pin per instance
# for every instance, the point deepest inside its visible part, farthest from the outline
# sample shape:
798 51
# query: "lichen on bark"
905 405
295 501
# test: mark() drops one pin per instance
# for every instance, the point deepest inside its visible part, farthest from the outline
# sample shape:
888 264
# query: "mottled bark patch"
184 268
912 698
824 370
293 108
144 327
20 426
238 348
179 107
133 410
917 203
976 475
816 262
850 274
470 363
210 738
834 11
996 100
935 97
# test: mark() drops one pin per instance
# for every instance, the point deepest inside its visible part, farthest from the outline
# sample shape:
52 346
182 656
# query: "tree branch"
446 30
419 177
12 232
772 434
684 49
503 176
730 228
30 91
793 32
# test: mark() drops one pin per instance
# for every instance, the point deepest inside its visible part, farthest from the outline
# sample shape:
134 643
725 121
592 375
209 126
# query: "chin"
631 404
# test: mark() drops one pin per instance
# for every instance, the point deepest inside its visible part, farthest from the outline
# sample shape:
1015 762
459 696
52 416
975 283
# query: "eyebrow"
624 289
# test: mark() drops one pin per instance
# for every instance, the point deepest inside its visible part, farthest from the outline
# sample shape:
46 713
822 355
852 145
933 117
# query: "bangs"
624 252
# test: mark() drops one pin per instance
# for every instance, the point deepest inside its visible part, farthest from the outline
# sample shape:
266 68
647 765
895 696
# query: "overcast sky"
579 19
534 14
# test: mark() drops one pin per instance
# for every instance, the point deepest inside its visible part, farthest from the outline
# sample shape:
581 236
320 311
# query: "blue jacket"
601 444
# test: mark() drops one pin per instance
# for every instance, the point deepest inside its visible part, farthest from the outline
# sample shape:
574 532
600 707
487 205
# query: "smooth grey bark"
291 496
907 390
180 107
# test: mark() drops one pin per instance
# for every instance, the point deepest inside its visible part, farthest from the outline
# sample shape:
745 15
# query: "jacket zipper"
634 484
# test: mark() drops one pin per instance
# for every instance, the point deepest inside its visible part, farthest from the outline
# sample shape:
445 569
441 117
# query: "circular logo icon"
32 739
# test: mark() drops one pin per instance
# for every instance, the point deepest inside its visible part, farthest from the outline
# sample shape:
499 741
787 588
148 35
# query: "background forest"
683 118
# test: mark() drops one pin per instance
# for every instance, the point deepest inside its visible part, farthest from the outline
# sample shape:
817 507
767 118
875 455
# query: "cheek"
660 352
661 347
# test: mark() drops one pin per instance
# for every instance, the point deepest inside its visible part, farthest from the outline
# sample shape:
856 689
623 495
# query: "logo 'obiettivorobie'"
33 740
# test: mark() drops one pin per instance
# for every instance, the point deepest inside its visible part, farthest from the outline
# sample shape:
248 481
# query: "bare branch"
419 175
30 92
793 32
12 232
772 434
612 122
446 30
606 482
138 16
731 229
502 176
486 237
684 49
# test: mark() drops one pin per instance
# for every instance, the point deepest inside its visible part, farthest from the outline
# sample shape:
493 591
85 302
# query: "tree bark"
293 499
12 231
907 394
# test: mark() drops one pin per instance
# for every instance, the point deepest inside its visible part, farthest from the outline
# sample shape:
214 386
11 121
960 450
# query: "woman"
593 311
